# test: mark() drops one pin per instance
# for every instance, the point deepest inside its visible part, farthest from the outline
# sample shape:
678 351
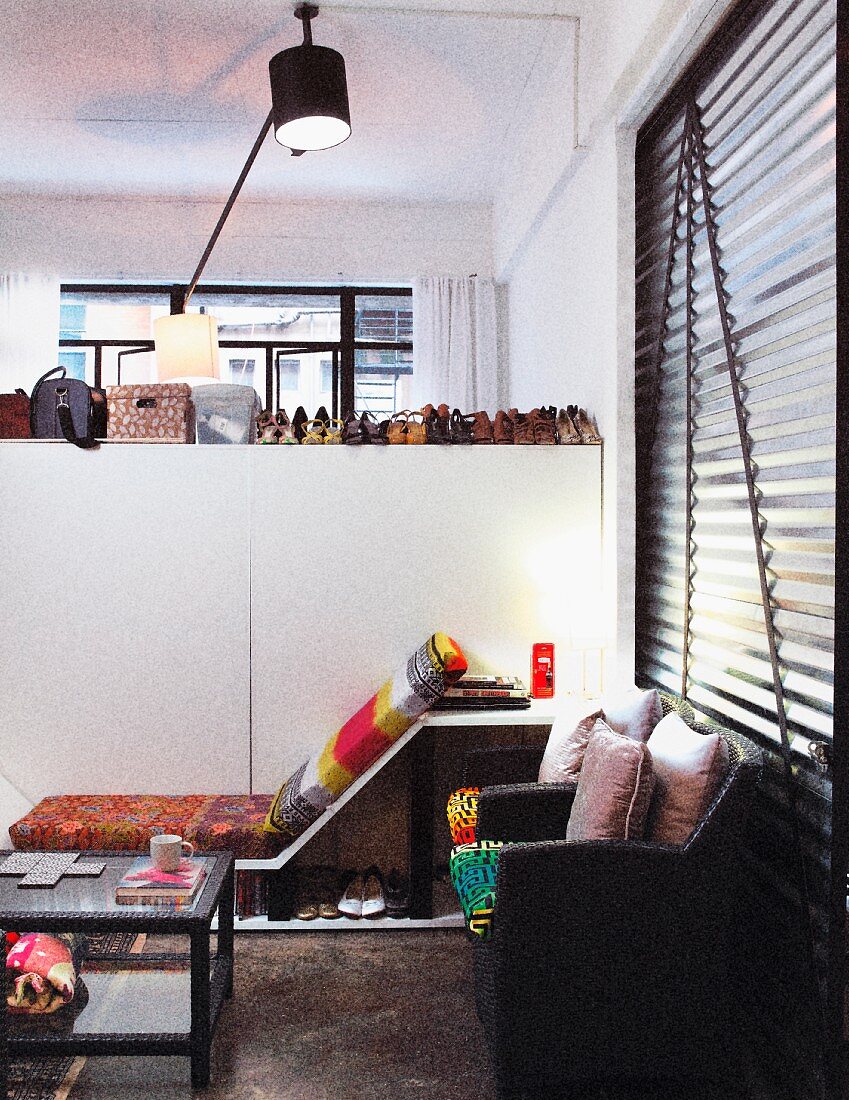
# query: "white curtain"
29 329
455 355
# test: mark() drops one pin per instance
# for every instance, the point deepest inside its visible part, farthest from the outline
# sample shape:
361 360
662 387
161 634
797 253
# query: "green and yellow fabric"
474 870
319 781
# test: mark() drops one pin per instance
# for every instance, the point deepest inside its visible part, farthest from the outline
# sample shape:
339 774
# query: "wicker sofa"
607 960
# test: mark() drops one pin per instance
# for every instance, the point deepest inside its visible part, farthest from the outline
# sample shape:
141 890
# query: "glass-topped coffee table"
141 1004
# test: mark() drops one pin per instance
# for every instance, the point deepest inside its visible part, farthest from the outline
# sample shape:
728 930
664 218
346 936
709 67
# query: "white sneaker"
351 902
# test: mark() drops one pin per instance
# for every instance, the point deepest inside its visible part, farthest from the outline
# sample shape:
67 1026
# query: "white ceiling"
165 97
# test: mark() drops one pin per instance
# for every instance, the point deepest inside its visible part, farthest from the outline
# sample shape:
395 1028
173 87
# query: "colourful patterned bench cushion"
127 822
474 869
319 781
462 811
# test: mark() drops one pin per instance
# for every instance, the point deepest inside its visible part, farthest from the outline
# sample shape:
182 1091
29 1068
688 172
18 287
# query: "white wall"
566 249
101 238
187 614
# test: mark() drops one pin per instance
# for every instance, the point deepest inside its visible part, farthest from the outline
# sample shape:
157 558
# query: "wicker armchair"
607 960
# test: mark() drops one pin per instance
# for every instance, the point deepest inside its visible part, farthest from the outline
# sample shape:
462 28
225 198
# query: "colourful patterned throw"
474 870
319 781
126 822
41 971
462 810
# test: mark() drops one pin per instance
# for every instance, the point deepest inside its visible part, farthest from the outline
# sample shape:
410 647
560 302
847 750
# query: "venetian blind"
761 101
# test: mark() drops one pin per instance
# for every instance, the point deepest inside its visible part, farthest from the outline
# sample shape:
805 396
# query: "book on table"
146 884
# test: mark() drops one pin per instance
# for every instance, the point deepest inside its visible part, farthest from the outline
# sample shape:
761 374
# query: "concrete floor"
342 1016
347 1016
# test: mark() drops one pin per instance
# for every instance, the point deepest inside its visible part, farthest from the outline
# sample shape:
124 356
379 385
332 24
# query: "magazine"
145 884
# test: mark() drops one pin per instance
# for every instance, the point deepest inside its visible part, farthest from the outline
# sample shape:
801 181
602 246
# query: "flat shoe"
374 903
396 889
351 902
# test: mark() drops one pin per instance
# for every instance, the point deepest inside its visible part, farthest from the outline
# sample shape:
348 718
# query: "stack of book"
145 884
485 693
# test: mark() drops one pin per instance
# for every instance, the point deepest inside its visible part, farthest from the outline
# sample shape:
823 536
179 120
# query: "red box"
542 670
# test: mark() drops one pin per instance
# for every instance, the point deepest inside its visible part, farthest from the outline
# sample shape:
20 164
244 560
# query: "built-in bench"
234 822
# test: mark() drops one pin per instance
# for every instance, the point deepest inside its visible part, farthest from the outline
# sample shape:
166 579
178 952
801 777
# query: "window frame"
346 347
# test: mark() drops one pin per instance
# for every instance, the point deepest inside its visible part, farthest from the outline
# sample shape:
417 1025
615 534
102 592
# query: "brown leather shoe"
461 427
502 430
543 422
523 426
482 428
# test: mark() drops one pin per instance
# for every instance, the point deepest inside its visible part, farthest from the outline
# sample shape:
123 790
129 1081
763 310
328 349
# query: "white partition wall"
124 638
359 554
175 618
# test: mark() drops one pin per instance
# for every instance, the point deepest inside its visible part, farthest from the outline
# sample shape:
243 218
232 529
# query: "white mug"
167 849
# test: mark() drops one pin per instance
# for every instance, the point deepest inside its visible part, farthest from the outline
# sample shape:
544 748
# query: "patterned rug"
53 1078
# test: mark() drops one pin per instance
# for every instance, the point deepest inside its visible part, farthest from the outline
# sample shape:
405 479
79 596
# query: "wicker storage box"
161 413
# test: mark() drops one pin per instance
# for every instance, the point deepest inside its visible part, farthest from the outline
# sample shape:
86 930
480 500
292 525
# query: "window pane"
110 316
303 381
383 317
382 380
266 316
290 375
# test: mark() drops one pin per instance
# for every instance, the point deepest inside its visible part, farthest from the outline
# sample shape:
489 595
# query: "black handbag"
66 408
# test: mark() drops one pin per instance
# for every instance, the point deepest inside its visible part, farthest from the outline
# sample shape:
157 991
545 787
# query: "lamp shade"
186 345
309 97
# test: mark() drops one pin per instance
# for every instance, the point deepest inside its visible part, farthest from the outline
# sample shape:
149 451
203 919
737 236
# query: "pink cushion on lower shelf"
79 822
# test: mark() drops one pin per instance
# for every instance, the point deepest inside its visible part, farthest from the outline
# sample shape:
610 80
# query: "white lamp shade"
186 344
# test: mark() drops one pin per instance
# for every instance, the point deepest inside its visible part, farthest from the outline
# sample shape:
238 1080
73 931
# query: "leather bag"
14 415
66 408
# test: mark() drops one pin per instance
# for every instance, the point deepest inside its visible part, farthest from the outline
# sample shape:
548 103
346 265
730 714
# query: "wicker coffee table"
141 1004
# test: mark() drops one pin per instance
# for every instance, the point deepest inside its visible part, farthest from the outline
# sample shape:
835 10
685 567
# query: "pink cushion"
635 714
614 788
564 752
689 768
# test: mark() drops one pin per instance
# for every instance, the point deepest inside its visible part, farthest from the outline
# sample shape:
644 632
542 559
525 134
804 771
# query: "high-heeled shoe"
266 427
333 429
586 428
298 421
285 433
567 433
313 432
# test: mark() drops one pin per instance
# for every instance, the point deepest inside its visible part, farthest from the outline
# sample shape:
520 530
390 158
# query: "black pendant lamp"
309 96
309 93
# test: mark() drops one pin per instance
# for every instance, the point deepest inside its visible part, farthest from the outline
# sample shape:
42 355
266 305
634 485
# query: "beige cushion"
689 768
614 788
635 714
564 752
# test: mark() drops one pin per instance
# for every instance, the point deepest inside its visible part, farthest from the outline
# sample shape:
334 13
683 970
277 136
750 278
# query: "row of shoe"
432 425
327 893
539 426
